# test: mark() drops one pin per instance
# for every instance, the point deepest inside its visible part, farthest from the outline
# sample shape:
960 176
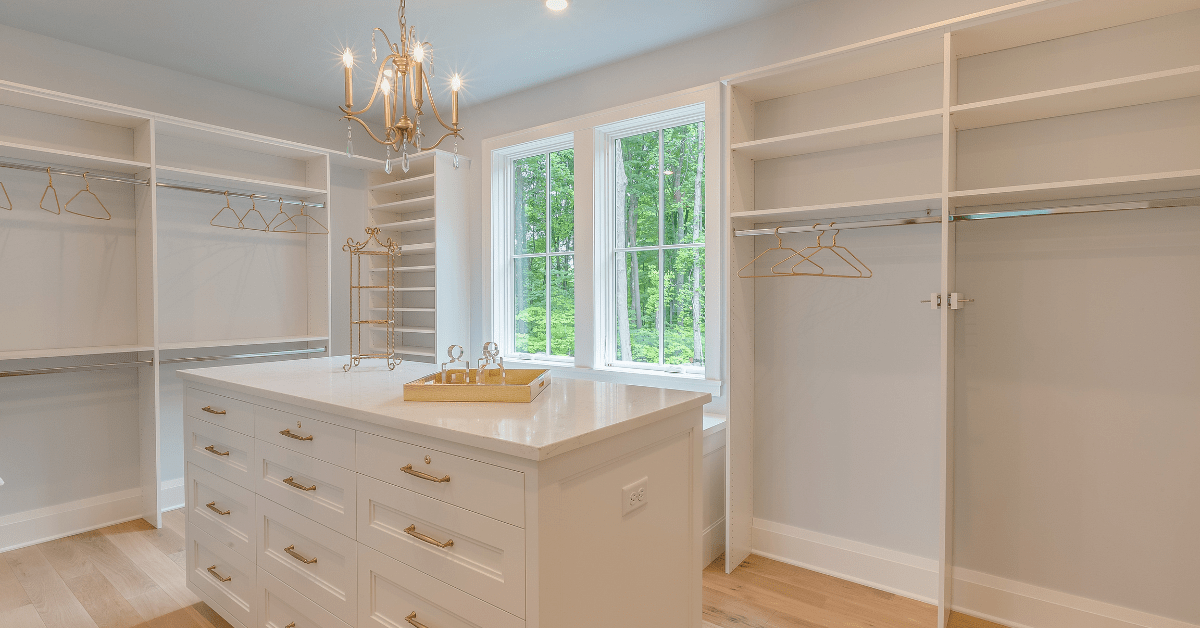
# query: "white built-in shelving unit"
1031 105
425 211
154 289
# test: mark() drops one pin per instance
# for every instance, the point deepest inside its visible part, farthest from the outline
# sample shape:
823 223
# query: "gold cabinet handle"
213 507
412 531
291 625
291 550
291 482
412 619
424 476
209 409
213 570
288 432
213 449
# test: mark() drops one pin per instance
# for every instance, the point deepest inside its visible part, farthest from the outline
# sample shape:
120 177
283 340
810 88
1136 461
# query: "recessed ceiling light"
556 5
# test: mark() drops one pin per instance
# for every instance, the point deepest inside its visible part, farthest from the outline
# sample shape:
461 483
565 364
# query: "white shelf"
406 330
409 225
1086 188
422 351
223 182
405 289
406 186
67 352
83 161
420 203
1123 92
860 134
238 342
413 249
408 269
405 309
874 207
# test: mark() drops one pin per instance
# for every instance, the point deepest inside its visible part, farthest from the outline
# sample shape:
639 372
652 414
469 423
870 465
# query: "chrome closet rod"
58 171
984 215
244 356
81 367
273 199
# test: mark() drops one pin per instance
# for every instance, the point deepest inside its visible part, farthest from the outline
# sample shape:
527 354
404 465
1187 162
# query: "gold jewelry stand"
389 252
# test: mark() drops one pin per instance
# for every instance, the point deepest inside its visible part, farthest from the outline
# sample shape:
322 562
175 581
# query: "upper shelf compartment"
239 161
873 132
50 131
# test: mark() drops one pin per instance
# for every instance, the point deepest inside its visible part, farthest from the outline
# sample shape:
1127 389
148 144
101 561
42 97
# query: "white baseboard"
170 495
31 527
1022 605
876 567
714 542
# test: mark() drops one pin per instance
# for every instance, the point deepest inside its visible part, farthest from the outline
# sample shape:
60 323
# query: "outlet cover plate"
634 496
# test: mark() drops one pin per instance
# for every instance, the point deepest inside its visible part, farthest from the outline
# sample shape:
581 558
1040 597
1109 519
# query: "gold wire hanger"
859 268
279 229
307 231
777 247
50 188
6 197
254 208
235 215
87 187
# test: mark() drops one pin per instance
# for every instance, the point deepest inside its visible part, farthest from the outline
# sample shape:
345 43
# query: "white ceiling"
290 48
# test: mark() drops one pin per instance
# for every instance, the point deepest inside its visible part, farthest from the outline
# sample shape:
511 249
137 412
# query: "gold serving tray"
521 386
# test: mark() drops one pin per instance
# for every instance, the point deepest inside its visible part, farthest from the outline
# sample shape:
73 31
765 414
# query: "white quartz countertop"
571 414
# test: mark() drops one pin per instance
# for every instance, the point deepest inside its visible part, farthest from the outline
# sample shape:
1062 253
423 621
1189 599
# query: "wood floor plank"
118 567
211 616
959 620
16 611
162 570
160 610
176 520
107 607
165 539
55 603
726 611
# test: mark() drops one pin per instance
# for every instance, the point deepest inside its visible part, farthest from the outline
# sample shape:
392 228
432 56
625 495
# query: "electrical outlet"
634 496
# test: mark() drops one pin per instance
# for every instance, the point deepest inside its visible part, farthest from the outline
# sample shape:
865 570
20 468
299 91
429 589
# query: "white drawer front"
323 441
318 490
222 509
390 591
484 488
309 557
223 574
223 452
281 605
485 558
228 413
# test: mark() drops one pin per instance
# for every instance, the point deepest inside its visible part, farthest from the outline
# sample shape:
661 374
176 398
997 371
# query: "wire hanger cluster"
281 222
805 266
58 207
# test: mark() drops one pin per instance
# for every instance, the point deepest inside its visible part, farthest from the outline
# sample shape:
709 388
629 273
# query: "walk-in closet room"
600 314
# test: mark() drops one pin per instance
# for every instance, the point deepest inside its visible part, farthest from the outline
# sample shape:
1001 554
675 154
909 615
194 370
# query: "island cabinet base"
304 518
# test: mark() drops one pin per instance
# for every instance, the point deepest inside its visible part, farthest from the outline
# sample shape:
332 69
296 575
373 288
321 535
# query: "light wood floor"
117 577
763 593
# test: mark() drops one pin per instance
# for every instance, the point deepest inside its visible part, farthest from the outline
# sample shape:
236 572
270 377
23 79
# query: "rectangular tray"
521 386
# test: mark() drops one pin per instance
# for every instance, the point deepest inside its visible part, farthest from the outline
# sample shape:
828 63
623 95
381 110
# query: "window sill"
631 377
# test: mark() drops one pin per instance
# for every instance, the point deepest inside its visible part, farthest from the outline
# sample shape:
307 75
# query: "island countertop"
572 414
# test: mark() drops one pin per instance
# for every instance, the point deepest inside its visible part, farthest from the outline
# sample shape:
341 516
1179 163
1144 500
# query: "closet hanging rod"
244 356
984 215
70 173
273 199
68 369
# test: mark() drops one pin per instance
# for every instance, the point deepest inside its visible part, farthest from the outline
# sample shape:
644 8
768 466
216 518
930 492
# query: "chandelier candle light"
401 80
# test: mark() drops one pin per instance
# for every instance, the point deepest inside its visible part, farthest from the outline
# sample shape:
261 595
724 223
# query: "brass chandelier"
401 80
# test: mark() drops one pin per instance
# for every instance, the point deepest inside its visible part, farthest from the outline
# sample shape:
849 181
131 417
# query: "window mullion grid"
549 230
662 271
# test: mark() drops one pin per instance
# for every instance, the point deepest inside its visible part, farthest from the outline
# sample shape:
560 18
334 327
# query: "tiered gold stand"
360 253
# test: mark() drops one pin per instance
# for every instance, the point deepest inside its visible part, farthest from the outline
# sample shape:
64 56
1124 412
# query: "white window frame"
594 239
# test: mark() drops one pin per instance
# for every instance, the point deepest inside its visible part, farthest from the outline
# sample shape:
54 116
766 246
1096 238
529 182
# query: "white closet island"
317 497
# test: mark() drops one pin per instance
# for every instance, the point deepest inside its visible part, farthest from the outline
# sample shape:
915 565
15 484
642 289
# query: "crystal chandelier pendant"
456 153
404 157
387 165
350 141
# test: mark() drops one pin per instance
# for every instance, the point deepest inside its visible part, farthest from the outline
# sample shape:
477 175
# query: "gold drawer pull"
412 531
209 409
412 619
424 476
291 550
213 507
291 625
213 449
291 482
213 570
288 432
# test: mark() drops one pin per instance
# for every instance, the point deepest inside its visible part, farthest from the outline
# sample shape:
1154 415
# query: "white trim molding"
171 495
880 568
31 527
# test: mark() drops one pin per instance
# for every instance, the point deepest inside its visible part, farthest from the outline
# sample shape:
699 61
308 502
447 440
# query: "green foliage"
545 223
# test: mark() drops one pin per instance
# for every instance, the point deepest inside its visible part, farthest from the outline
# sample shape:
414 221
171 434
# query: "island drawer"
323 441
390 592
223 575
225 453
477 554
281 605
222 509
309 557
227 412
319 490
477 486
